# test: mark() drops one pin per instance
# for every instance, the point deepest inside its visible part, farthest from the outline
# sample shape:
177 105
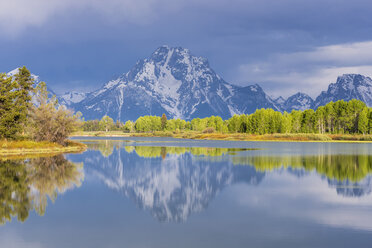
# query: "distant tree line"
340 117
27 112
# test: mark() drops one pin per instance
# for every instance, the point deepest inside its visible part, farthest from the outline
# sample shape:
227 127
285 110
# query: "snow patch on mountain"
72 97
279 101
299 101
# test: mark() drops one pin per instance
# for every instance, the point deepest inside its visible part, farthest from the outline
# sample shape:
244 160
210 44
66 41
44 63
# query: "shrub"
209 130
49 122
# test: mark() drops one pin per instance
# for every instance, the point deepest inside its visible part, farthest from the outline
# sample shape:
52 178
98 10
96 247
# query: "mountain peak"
176 57
13 72
165 51
347 87
347 76
298 101
279 100
301 95
16 70
174 82
350 81
166 48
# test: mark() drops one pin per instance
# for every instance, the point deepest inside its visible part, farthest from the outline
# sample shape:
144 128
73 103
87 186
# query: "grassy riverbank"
27 147
301 137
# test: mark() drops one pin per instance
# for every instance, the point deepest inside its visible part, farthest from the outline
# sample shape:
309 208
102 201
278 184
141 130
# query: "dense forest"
340 117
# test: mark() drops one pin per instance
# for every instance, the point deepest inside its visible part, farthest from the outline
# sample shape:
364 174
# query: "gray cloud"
276 43
309 71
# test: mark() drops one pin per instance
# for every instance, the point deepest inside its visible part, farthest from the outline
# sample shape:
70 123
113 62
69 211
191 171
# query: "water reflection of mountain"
173 182
26 185
170 187
352 189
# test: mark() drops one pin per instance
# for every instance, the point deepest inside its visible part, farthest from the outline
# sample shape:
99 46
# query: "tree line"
341 117
27 111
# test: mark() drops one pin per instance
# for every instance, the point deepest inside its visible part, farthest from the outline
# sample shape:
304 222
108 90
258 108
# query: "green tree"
25 83
91 125
15 100
9 117
363 121
106 123
307 122
286 124
319 119
129 127
296 117
234 123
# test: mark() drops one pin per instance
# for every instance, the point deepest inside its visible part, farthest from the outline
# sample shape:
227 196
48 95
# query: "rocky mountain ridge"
181 85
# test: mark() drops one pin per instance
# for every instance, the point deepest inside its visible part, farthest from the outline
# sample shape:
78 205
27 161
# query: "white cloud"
11 239
308 198
309 71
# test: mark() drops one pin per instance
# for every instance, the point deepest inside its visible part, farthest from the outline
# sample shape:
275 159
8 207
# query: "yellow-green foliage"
28 144
161 151
49 121
106 147
352 117
26 148
339 167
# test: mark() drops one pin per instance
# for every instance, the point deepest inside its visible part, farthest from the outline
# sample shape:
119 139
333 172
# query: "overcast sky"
286 46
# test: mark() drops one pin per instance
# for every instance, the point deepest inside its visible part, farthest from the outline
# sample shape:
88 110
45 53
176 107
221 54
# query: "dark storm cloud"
82 44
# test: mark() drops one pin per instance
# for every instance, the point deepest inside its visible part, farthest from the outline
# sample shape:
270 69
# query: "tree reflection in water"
339 167
26 185
174 181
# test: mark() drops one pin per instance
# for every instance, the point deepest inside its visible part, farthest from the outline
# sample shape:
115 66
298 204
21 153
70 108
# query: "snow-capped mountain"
299 101
174 82
12 73
72 97
347 87
66 99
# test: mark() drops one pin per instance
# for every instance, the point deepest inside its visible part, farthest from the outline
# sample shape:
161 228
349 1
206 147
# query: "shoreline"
303 137
10 149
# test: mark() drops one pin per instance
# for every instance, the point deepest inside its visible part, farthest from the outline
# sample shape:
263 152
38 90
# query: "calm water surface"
176 193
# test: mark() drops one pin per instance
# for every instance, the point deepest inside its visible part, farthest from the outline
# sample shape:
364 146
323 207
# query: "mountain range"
181 85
